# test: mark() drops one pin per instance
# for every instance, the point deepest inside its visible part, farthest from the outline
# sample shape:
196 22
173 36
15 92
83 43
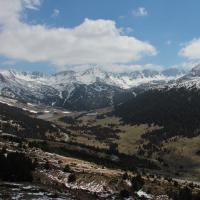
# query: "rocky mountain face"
191 80
88 89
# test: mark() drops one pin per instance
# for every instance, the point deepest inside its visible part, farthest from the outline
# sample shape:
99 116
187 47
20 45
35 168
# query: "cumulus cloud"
119 68
140 12
32 4
186 66
91 42
191 50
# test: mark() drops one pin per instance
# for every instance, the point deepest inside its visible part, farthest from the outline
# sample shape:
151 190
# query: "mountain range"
91 88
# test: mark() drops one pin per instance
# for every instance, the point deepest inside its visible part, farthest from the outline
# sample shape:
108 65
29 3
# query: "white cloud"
55 13
92 42
140 12
32 4
118 68
191 50
187 66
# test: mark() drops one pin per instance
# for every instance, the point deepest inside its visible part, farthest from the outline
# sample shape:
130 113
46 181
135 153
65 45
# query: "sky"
117 35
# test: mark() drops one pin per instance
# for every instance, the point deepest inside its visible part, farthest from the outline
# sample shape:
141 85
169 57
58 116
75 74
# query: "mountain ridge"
92 88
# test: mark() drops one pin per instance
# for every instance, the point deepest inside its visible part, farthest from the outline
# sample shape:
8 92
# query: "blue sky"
170 26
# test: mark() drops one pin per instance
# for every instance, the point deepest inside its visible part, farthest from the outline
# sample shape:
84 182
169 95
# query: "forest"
176 111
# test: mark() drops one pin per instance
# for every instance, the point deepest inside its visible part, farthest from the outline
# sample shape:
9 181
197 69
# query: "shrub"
67 169
125 176
185 194
47 165
71 178
16 167
124 194
137 182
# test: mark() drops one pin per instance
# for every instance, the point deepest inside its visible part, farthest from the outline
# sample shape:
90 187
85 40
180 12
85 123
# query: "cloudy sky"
120 35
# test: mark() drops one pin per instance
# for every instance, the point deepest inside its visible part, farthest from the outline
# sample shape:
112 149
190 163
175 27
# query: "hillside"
85 90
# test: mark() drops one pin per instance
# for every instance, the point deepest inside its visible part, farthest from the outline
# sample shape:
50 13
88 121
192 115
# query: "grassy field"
183 154
130 138
180 154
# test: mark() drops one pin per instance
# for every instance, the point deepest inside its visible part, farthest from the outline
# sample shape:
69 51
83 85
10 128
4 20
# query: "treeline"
109 158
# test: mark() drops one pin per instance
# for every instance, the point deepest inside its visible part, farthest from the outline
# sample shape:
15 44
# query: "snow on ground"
46 111
140 193
66 80
33 111
66 112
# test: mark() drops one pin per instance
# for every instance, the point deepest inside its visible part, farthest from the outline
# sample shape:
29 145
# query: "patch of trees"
70 120
12 138
102 116
137 182
100 132
15 167
67 169
71 178
98 156
124 194
176 110
183 193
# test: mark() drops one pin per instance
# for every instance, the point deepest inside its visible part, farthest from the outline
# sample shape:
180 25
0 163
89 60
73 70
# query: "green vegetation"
177 111
137 182
15 167
67 169
71 178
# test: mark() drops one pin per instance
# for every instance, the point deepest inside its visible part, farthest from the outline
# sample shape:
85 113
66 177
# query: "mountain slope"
61 90
175 107
191 80
88 89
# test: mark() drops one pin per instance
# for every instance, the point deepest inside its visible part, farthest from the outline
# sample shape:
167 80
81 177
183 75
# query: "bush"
125 176
113 148
185 194
4 149
124 194
16 167
47 165
67 169
71 178
137 182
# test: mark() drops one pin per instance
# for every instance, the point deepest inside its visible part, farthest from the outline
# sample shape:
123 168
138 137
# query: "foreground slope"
56 169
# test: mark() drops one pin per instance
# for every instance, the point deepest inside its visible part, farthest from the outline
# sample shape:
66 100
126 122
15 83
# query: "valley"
106 150
97 149
99 100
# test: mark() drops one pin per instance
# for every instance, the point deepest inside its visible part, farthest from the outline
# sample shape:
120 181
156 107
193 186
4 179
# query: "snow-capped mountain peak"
92 86
190 80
